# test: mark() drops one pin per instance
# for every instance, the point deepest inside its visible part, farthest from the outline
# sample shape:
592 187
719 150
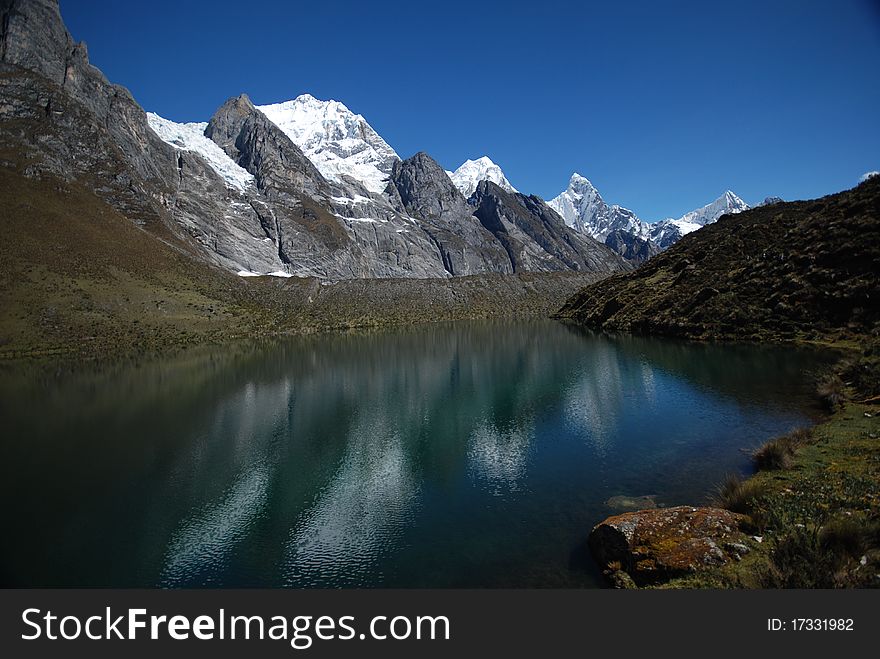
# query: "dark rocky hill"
785 271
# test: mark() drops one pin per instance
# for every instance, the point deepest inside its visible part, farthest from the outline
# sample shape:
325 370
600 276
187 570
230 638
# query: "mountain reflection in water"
466 454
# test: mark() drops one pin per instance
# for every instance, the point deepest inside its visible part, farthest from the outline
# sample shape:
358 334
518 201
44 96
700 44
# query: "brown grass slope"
804 270
75 275
79 278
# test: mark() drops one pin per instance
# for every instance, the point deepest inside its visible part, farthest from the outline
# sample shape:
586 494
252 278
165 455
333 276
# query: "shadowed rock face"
61 117
34 38
45 51
630 247
426 192
535 236
664 543
259 146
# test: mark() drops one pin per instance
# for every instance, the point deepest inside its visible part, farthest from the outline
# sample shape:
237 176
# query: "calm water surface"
456 455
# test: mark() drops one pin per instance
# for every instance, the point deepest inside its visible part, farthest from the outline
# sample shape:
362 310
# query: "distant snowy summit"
340 143
666 232
467 177
582 208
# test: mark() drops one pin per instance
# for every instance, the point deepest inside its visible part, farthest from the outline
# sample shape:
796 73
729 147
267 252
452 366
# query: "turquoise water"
474 454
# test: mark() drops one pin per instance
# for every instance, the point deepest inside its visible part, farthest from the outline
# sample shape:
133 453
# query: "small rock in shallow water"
623 503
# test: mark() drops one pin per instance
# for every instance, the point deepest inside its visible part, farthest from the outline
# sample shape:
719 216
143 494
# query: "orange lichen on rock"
660 544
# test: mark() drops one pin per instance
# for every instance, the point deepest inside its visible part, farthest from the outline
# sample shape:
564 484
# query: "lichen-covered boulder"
663 543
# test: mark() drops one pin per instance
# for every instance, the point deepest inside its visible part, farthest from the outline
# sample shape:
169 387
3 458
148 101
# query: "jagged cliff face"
535 236
269 208
426 192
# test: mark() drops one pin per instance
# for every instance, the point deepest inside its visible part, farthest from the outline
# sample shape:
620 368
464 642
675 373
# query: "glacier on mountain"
725 204
340 143
471 172
191 137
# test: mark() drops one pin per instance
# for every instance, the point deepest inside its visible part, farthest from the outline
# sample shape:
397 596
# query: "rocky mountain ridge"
268 209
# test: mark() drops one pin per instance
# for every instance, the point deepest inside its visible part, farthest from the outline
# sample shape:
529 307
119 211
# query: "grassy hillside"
804 270
78 278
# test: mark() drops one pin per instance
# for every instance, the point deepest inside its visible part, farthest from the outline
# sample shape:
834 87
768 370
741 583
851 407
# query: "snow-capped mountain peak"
725 204
666 232
578 181
582 208
471 172
340 143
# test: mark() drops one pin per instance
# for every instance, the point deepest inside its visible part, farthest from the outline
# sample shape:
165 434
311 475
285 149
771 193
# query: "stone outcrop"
651 546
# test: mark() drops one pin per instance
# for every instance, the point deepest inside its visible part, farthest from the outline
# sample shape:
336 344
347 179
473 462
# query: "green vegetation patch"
817 517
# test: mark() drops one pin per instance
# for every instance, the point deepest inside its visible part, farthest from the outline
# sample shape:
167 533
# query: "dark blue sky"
663 105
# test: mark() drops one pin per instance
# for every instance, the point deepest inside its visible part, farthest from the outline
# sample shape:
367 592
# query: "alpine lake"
468 454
